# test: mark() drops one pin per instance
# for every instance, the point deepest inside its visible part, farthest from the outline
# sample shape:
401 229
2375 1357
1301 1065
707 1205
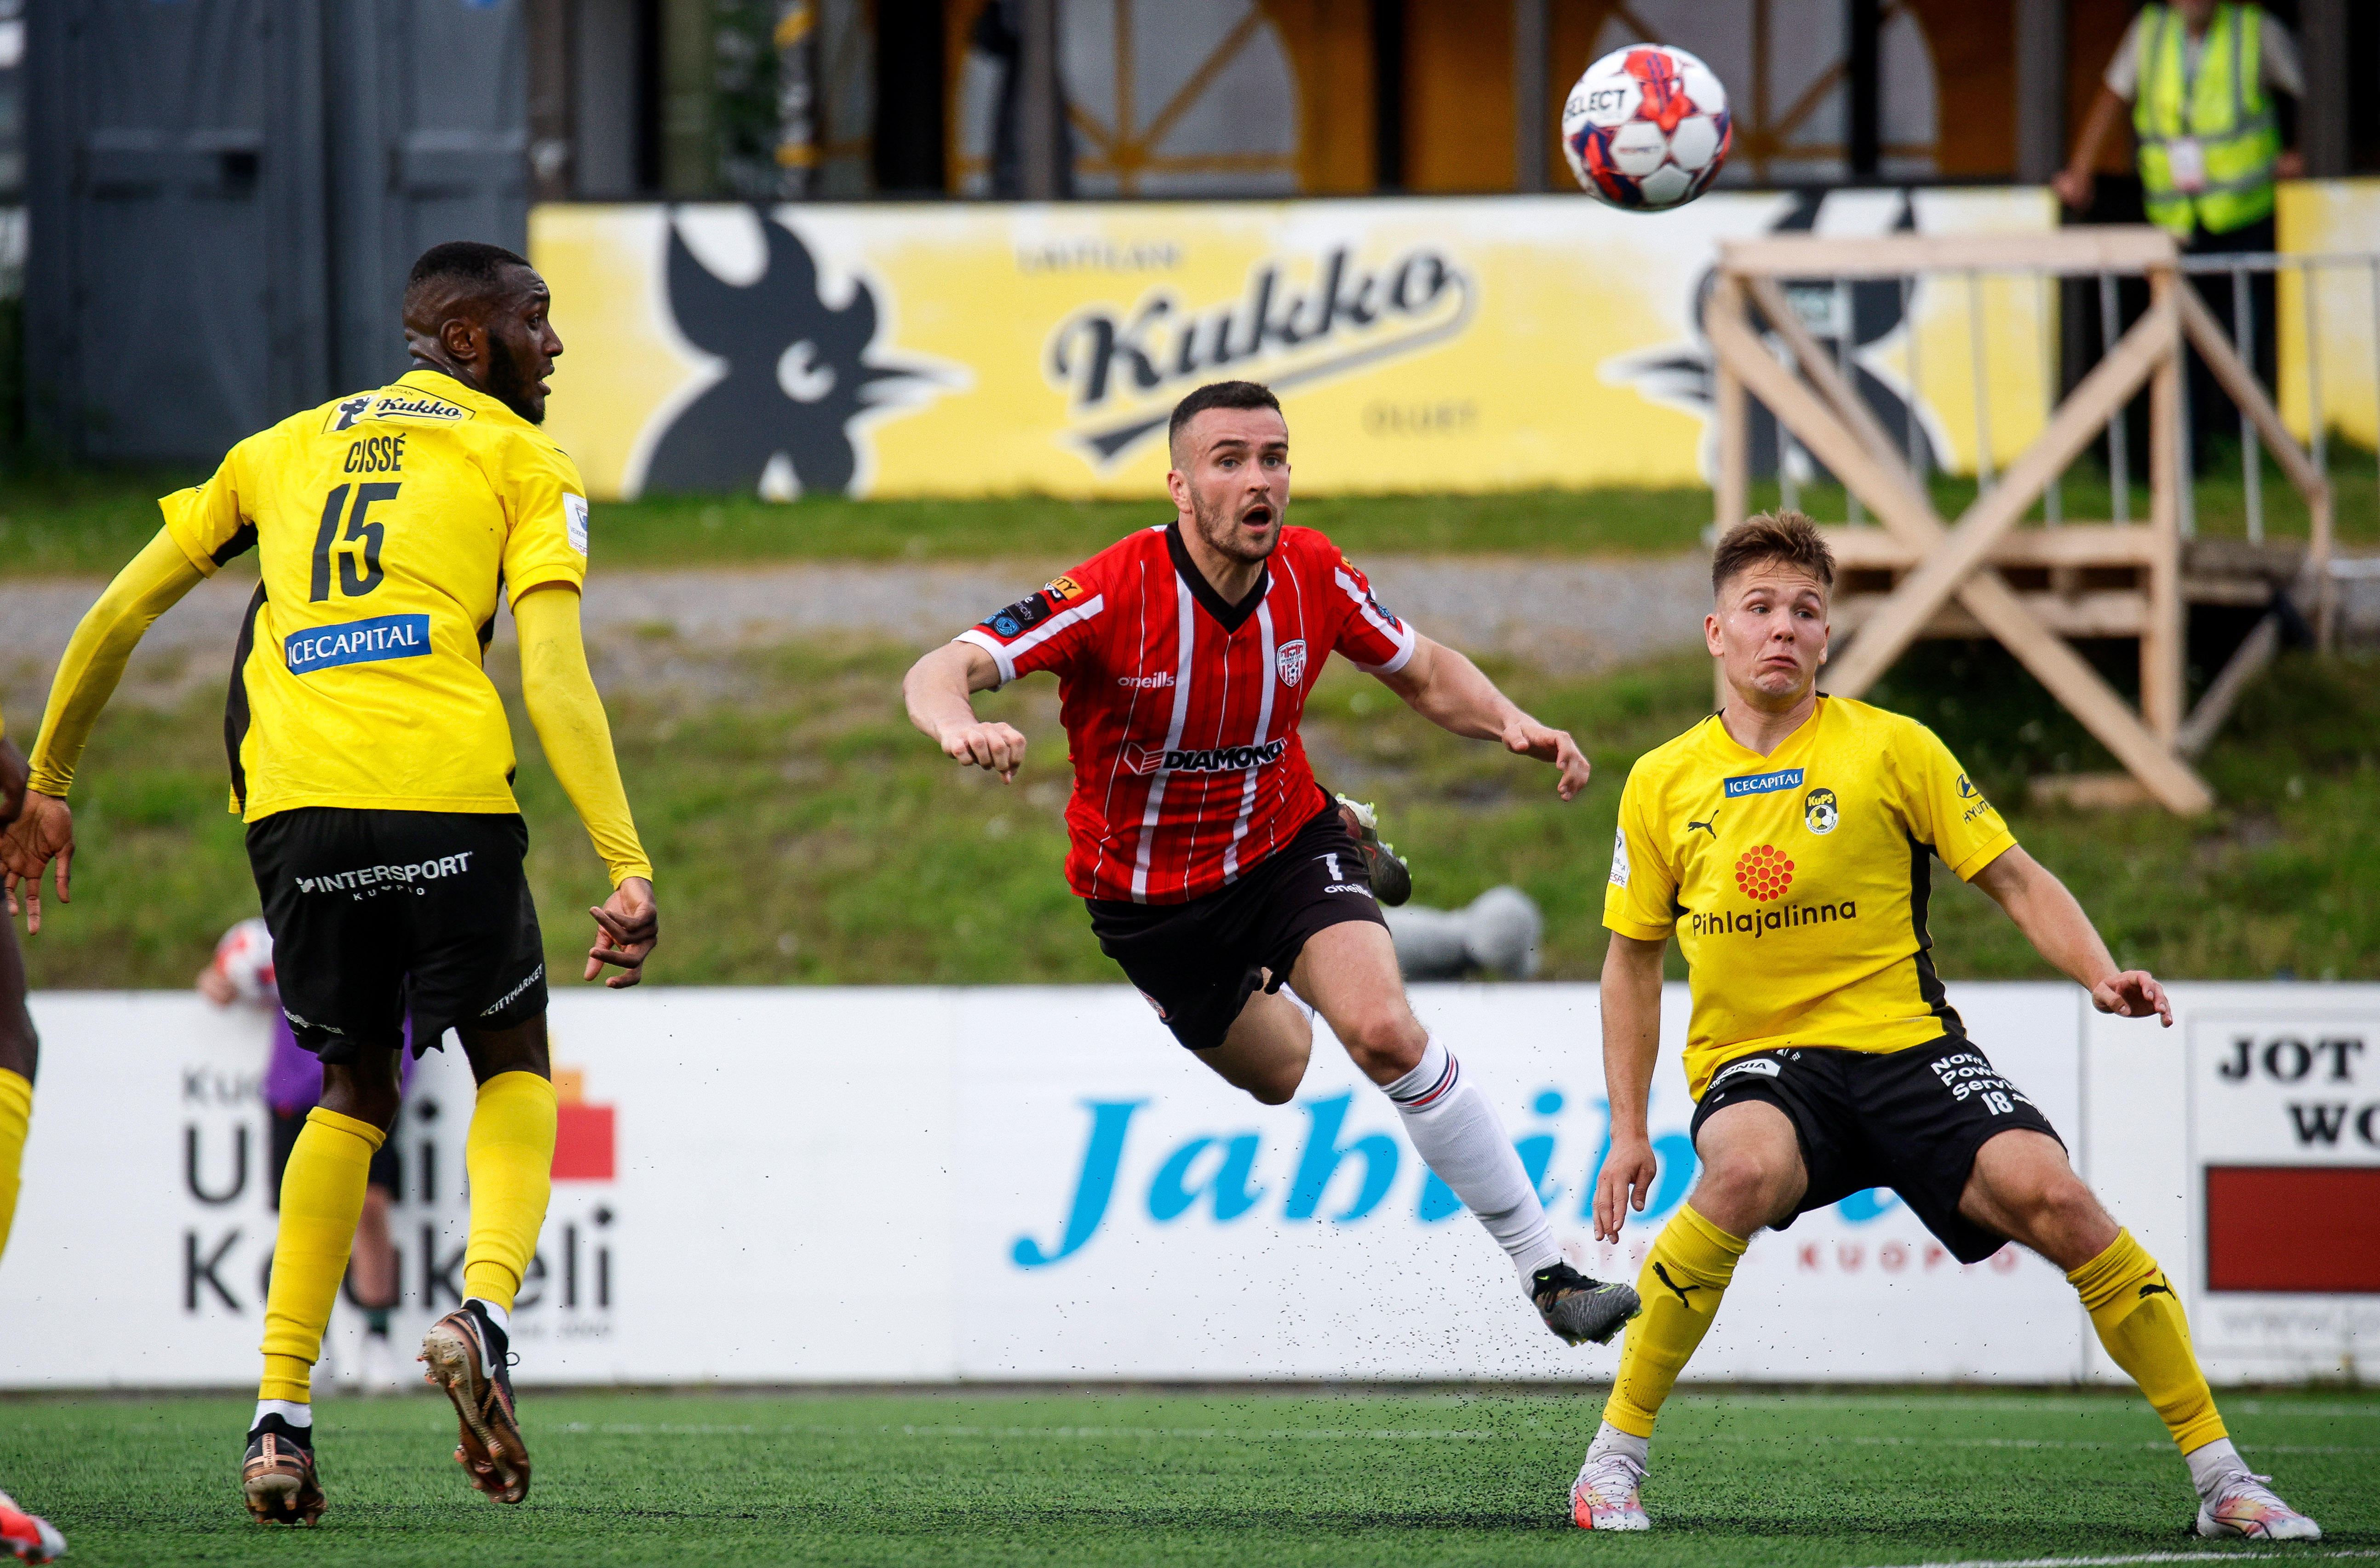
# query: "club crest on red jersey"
1291 661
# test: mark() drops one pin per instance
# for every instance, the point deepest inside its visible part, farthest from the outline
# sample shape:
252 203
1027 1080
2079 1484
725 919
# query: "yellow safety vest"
2226 112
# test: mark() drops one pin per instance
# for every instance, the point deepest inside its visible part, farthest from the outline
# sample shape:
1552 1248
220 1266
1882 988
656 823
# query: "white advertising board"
1013 1183
780 1167
1178 1230
2247 1156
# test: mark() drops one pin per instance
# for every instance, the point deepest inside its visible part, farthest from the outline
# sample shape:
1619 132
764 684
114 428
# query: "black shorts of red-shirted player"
1198 963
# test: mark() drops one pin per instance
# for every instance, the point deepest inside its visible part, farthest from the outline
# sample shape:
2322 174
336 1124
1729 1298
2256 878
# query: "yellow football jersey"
1796 883
387 525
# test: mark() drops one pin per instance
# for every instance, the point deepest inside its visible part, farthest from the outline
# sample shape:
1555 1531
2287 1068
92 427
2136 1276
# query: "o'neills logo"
1115 362
1753 922
1222 760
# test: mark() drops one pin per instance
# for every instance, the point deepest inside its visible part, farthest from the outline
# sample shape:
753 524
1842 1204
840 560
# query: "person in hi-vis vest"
2200 78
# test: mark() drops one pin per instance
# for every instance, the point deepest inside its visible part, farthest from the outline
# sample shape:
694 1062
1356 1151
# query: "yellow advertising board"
2338 219
1418 344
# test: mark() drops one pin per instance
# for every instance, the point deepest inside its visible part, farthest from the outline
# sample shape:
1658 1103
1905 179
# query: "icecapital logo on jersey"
357 642
1298 322
1763 784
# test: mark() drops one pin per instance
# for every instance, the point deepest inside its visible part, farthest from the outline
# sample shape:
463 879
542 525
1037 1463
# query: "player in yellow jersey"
29 1538
371 760
1785 841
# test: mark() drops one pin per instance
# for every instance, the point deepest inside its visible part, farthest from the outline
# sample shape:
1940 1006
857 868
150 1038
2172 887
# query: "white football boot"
379 1370
2245 1506
1604 1496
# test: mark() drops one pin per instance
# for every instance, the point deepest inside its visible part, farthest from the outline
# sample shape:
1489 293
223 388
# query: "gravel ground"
683 628
1568 616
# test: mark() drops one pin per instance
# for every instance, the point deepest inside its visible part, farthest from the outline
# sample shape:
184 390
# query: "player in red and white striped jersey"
1183 709
1213 865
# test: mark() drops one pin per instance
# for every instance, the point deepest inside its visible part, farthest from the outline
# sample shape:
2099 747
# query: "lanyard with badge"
2185 160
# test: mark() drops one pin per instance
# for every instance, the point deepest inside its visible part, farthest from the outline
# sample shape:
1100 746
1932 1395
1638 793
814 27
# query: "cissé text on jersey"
376 454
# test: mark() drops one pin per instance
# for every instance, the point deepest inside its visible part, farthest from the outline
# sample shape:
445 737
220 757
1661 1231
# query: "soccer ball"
1645 127
244 957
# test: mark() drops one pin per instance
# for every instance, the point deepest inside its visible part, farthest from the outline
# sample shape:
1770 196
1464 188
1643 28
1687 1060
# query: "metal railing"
2241 269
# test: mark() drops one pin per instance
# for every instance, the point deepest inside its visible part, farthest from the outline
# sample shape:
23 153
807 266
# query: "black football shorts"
1909 1120
376 912
1198 963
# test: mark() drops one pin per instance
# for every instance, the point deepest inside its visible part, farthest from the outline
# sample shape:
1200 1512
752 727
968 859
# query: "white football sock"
1611 1440
290 1410
496 1315
2211 1465
1456 1131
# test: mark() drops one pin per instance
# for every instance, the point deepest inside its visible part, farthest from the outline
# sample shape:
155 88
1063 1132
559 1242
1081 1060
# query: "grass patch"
91 522
1252 1478
59 521
805 834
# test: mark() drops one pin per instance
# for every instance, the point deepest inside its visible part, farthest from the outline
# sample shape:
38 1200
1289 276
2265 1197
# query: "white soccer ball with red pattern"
1647 127
244 957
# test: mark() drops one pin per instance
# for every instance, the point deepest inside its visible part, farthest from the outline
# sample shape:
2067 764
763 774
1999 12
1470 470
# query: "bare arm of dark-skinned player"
1456 695
43 836
2051 918
936 691
1632 1044
627 925
15 773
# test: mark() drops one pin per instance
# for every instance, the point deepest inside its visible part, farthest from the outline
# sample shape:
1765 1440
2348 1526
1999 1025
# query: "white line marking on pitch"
1334 1434
2297 1552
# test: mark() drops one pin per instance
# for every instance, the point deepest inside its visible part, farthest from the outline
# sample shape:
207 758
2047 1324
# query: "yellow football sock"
16 1114
321 1198
1684 1275
510 1155
2139 1320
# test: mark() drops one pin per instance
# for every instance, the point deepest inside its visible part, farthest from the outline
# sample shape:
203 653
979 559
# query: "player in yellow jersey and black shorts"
372 762
22 1534
1786 841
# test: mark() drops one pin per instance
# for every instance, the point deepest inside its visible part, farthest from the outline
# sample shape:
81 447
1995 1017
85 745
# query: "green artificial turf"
1239 1478
73 521
802 832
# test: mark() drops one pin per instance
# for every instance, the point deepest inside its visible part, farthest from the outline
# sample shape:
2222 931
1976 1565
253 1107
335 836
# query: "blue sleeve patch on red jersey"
1024 612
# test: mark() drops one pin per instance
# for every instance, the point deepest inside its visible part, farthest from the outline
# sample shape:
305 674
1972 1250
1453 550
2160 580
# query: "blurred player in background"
1213 867
25 1537
1785 841
241 973
372 761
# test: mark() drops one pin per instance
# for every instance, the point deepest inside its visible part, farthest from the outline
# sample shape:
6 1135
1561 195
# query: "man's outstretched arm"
1452 693
2054 922
938 690
153 582
559 692
1632 1044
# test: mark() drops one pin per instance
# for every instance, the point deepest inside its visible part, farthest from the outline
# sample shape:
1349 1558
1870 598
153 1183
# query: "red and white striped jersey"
1181 711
